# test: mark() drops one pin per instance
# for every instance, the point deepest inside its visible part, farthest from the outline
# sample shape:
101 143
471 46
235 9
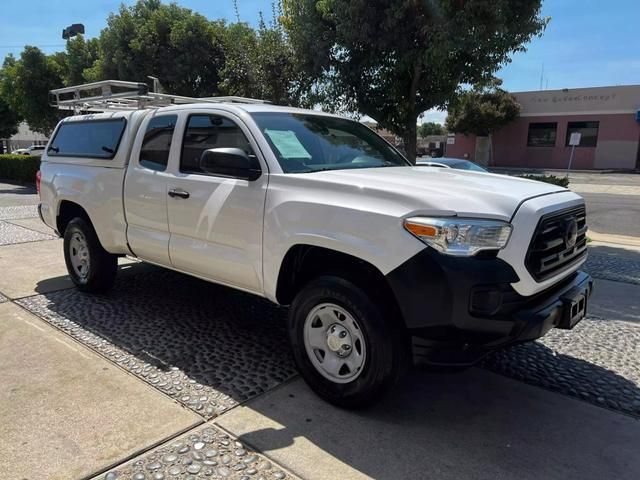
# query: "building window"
588 131
542 134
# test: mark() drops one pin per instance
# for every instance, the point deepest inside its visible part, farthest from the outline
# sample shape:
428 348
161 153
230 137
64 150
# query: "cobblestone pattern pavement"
206 453
598 361
614 264
20 211
208 347
10 234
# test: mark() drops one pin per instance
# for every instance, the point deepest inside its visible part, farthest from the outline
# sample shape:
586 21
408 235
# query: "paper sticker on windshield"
287 143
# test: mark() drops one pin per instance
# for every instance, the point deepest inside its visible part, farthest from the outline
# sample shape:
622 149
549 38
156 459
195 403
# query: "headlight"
460 236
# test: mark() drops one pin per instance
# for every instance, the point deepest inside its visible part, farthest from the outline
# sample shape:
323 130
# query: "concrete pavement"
473 425
66 412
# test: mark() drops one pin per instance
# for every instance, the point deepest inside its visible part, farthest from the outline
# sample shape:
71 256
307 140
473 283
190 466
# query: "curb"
621 240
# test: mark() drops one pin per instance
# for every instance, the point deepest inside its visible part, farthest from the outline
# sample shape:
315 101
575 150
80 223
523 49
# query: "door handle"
178 193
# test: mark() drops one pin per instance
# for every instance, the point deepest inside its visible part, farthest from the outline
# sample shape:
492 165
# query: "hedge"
21 168
561 181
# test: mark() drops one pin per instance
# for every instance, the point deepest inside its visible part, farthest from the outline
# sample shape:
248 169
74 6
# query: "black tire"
103 266
386 353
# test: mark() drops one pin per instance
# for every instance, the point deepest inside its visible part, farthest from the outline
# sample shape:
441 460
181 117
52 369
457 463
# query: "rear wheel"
344 343
90 266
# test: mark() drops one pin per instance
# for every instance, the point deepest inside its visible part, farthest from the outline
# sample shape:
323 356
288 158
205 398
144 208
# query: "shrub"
561 181
20 168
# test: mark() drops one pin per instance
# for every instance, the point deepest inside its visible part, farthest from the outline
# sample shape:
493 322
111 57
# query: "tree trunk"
411 130
410 139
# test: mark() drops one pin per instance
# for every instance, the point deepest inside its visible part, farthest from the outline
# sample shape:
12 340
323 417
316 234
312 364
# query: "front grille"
551 251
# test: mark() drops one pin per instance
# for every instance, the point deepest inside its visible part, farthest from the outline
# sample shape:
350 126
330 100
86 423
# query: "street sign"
574 139
451 140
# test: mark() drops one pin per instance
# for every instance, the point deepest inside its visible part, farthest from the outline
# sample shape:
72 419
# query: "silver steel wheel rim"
334 343
79 255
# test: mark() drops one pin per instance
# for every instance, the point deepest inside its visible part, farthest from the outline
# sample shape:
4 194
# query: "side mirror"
229 162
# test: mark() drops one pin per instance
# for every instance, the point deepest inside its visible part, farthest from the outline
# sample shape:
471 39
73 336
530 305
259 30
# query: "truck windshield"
310 143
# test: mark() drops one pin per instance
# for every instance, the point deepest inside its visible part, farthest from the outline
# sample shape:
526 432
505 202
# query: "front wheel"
344 343
90 266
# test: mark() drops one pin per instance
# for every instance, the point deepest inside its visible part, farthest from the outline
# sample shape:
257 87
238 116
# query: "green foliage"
482 111
75 64
561 181
260 64
20 168
181 48
9 120
430 128
25 85
394 59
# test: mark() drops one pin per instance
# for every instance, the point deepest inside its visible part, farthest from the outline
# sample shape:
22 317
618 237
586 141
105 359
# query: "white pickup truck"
381 262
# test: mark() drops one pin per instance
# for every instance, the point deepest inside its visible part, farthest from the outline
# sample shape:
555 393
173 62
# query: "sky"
587 43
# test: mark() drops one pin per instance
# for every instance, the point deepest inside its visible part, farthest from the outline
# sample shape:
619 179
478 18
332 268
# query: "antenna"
541 76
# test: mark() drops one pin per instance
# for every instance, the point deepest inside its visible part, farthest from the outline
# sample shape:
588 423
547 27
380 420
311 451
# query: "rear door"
145 189
216 221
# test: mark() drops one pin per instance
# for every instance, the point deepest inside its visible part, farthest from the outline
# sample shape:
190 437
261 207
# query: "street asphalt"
170 377
613 213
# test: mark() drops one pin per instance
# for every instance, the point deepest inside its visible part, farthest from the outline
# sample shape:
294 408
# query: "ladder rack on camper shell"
118 95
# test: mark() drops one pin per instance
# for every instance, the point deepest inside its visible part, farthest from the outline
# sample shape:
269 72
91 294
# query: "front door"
215 222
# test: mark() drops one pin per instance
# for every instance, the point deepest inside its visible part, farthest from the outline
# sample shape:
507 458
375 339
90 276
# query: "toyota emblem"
570 232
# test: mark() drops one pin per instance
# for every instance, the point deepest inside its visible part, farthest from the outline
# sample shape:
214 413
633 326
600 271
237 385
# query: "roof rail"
119 95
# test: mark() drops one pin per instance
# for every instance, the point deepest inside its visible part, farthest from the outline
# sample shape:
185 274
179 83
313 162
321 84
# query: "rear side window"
93 139
210 131
154 153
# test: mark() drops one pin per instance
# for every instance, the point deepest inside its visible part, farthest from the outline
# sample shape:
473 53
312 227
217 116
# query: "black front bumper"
459 309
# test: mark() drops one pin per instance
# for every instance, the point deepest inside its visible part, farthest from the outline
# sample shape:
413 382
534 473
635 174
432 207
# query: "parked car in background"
444 162
33 150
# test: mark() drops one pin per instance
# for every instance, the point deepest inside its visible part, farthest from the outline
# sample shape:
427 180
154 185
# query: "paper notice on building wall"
287 143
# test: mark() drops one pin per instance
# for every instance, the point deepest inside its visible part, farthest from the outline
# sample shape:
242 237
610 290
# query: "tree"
482 111
240 73
183 49
9 118
260 63
25 85
430 128
79 57
394 59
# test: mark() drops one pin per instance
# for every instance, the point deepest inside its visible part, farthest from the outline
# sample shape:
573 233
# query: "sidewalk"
609 189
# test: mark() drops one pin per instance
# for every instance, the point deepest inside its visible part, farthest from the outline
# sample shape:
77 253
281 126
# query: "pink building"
608 119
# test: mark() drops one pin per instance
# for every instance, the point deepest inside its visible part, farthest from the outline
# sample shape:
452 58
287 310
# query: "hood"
436 191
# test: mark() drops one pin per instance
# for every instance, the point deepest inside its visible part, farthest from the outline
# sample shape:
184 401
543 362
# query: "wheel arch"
67 211
304 262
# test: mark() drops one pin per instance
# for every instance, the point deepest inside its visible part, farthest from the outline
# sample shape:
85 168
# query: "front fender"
375 237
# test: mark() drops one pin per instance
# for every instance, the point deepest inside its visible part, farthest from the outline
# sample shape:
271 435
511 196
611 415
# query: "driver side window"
205 131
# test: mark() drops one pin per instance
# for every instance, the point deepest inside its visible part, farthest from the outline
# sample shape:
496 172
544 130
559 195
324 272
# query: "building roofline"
565 90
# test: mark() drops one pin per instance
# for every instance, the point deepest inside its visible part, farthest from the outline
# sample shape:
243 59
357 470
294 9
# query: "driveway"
167 376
